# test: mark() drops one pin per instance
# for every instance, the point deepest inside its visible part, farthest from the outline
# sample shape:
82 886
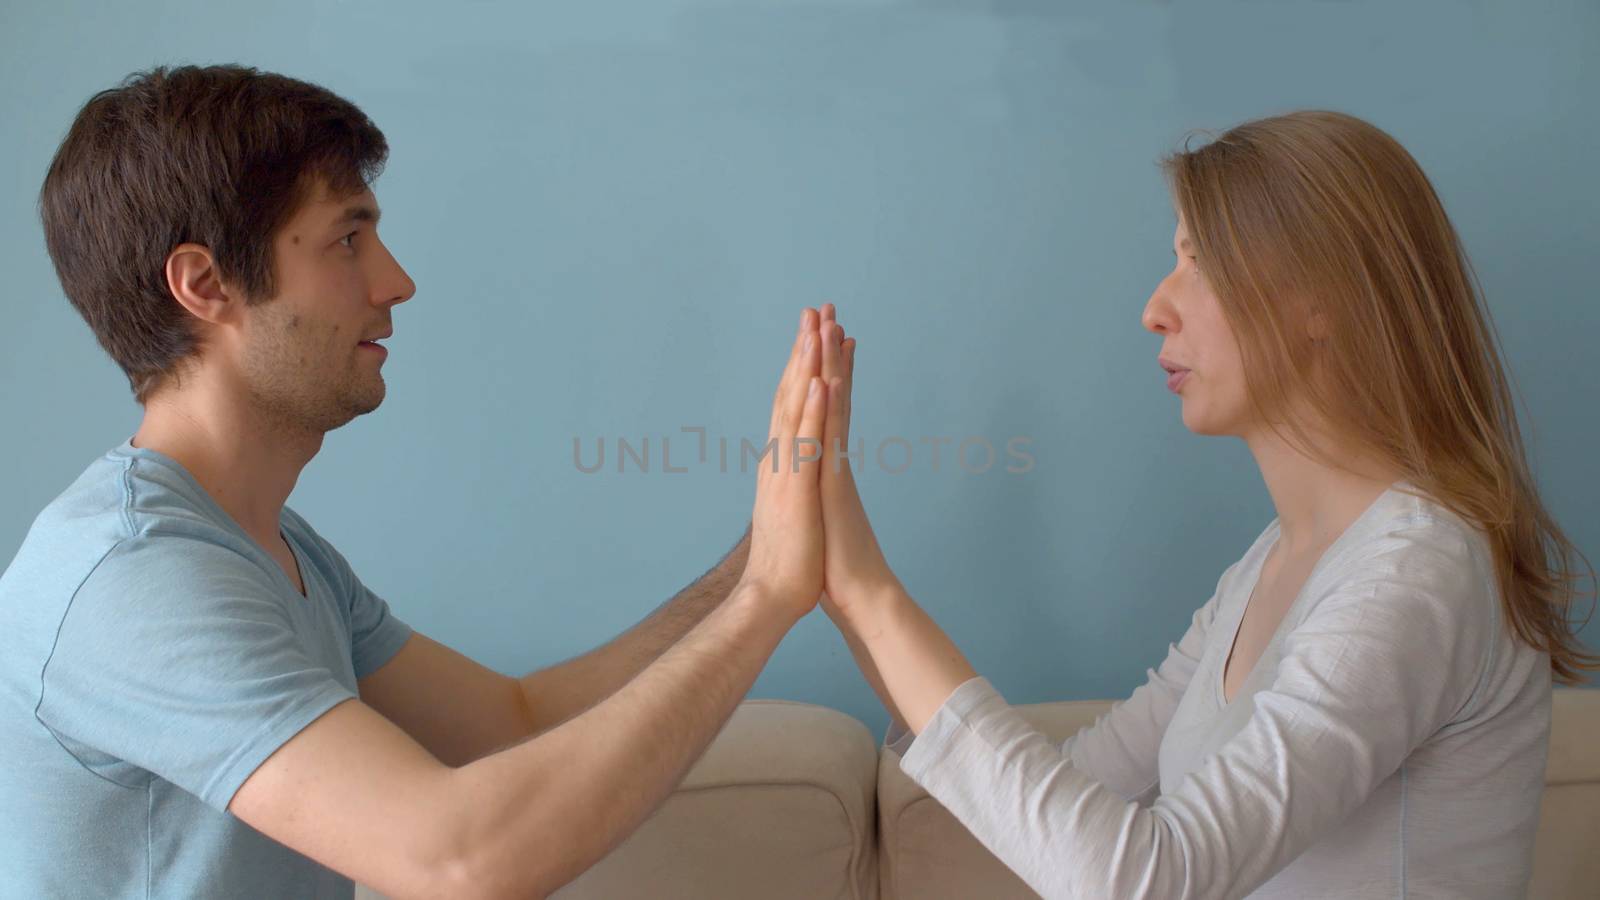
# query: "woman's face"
1185 312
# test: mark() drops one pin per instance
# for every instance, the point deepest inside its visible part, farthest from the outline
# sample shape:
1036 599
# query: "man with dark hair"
198 697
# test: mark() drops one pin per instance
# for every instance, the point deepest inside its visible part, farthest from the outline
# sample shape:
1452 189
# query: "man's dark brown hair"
217 155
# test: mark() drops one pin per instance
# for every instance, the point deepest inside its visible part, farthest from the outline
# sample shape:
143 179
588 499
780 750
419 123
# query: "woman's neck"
1315 502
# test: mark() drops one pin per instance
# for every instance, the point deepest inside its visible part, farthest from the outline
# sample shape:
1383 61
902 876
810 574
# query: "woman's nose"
1158 313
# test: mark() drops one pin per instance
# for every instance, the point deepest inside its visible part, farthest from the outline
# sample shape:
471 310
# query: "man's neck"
248 461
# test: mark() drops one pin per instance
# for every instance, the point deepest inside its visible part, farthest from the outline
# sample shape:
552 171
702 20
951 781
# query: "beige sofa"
798 801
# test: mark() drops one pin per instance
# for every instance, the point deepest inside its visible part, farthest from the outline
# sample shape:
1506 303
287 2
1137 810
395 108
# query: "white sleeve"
1120 749
1385 659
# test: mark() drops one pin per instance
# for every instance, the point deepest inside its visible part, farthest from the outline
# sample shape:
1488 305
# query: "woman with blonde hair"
1362 708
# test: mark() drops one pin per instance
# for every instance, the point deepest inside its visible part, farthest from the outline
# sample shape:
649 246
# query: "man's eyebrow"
358 213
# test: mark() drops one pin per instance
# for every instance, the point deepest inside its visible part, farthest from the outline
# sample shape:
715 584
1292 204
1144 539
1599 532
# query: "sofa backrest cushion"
925 853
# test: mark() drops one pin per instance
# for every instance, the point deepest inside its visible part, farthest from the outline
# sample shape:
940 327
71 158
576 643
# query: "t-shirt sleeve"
1386 658
177 655
376 633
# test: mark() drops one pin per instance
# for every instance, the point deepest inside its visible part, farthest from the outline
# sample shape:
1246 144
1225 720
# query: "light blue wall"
614 213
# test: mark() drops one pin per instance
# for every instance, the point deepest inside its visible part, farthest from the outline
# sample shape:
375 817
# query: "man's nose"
408 288
397 286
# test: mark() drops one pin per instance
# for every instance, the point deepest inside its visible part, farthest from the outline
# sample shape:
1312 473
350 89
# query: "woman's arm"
1381 663
1119 749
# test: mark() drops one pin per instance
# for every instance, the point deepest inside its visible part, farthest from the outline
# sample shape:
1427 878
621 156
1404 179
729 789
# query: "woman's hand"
856 576
786 541
911 664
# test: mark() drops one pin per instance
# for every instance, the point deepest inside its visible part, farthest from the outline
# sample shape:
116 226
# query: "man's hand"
786 542
856 573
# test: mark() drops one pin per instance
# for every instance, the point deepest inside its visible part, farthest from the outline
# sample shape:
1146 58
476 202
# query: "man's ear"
194 281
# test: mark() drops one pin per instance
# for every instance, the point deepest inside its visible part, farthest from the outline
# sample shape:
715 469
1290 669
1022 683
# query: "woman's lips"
1176 379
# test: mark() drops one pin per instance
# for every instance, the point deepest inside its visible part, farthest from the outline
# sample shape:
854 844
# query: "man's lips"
372 342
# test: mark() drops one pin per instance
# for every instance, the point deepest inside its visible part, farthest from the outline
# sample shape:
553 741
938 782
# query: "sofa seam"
854 891
1402 831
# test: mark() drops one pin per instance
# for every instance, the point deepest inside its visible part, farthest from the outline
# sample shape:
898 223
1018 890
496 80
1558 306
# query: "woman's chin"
1198 423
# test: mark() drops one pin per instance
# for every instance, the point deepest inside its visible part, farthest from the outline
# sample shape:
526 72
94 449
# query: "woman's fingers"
832 352
836 434
837 363
835 440
847 353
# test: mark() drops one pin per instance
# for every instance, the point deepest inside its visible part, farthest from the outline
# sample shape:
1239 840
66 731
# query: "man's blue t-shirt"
152 655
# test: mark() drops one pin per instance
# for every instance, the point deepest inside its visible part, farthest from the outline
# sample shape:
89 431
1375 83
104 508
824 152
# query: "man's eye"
348 237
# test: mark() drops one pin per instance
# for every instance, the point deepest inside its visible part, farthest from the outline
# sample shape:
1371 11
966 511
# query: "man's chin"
358 404
369 402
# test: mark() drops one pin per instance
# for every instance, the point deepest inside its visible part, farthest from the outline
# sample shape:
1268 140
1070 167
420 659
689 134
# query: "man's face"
307 354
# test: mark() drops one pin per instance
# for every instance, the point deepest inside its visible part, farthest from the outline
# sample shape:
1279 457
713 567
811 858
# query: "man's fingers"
806 445
808 325
795 369
790 409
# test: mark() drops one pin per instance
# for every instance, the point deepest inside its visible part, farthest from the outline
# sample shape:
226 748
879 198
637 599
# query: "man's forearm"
534 816
562 691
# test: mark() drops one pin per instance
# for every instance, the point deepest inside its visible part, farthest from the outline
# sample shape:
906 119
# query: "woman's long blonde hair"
1319 223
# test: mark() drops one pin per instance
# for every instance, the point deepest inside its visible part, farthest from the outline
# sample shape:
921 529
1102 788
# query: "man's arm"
559 692
356 793
461 710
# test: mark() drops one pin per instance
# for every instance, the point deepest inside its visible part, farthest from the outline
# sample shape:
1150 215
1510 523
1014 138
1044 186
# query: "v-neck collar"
1219 689
221 515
